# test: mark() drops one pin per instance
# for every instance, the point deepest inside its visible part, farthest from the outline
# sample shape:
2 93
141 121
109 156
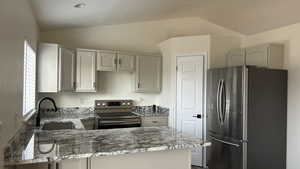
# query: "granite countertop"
28 145
32 145
147 111
74 115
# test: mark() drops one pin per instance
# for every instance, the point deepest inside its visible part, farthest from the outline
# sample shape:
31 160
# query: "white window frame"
29 79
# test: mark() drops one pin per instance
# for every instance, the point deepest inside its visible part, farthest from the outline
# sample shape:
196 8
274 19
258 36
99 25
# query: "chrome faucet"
38 117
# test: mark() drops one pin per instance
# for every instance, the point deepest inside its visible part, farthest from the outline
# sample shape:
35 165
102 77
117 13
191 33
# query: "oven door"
119 123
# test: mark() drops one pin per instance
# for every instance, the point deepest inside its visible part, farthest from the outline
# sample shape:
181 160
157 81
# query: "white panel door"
190 80
67 70
125 62
106 61
86 71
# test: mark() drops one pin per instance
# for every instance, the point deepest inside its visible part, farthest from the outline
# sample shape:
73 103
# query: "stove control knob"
103 104
123 104
128 103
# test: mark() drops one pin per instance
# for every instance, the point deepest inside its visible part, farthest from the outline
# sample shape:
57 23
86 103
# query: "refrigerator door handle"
223 101
225 142
218 101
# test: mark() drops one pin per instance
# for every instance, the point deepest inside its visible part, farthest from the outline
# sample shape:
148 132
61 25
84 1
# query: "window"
29 79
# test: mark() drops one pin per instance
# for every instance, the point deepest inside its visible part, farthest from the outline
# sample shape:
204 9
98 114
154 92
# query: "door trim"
175 117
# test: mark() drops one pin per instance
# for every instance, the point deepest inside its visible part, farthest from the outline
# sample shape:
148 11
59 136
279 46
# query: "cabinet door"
67 70
106 61
86 71
235 57
153 121
48 68
126 62
73 164
148 75
257 56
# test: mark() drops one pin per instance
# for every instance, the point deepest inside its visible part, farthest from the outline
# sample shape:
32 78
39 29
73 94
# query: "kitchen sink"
90 123
58 126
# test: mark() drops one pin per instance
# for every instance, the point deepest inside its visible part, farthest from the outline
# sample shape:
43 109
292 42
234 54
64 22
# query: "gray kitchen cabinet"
64 164
67 70
154 121
55 68
148 74
106 61
73 164
236 57
266 55
86 70
115 62
125 62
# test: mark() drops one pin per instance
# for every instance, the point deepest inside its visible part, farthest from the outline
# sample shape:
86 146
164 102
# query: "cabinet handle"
139 85
94 84
115 61
120 61
74 85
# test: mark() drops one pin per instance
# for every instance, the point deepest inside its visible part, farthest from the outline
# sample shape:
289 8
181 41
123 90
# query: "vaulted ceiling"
244 16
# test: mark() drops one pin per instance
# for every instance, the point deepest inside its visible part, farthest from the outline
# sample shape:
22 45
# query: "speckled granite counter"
74 115
27 146
148 111
32 145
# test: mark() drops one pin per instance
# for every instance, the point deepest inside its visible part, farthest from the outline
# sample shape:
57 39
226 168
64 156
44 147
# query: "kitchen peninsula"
157 147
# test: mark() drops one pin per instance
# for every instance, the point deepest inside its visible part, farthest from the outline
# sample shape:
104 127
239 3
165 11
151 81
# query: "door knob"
198 116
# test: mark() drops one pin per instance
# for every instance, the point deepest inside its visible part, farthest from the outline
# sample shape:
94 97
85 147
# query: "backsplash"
112 86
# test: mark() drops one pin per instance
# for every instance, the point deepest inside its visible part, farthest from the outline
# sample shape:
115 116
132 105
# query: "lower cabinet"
153 121
65 164
74 164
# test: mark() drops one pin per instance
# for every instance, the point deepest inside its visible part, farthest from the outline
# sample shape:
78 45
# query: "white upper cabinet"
148 74
236 57
125 62
56 68
267 55
67 73
113 61
106 61
86 70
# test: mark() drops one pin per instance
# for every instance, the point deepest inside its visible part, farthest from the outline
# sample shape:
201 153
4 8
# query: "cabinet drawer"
154 121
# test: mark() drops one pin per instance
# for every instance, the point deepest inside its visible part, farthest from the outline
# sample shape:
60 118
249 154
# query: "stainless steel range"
116 114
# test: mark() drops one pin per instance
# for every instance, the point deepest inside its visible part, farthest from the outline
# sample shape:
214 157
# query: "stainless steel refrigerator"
246 118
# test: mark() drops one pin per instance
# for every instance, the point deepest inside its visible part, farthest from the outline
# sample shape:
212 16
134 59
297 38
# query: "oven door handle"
119 121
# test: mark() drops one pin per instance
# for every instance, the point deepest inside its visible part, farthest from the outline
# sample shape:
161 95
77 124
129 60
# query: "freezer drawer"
224 155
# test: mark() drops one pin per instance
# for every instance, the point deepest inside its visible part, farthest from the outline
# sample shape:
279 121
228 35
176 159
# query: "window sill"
29 115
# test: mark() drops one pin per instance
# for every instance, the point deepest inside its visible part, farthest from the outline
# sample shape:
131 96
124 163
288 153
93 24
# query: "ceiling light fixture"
80 5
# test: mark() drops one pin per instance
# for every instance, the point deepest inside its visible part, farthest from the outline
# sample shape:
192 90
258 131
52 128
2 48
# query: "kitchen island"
155 147
66 140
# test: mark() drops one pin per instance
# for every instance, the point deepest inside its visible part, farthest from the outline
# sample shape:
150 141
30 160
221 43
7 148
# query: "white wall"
213 48
137 37
290 36
17 23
